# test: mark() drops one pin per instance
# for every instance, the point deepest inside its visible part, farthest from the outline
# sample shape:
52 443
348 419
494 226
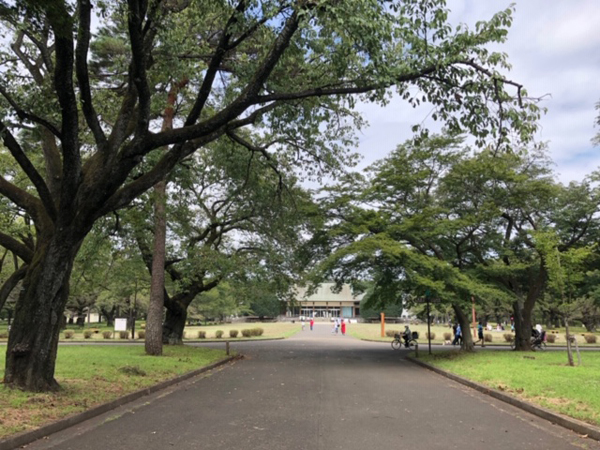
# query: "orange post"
382 325
474 320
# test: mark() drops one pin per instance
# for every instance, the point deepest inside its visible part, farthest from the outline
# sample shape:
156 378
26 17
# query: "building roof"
325 294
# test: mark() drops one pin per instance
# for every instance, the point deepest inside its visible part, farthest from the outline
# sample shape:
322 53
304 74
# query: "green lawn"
272 330
372 331
92 375
543 378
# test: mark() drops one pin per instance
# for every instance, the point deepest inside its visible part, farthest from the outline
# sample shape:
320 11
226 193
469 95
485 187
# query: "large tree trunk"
157 287
463 320
524 314
110 315
174 323
33 340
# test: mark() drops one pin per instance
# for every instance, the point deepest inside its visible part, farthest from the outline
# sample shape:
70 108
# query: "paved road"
317 391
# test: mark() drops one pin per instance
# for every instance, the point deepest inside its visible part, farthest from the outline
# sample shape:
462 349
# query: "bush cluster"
590 338
252 332
219 334
201 334
142 334
69 334
432 336
487 337
3 334
233 333
107 334
124 334
391 333
509 337
447 336
87 334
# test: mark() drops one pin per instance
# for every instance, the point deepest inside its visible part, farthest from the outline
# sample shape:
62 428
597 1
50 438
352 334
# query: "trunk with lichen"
33 338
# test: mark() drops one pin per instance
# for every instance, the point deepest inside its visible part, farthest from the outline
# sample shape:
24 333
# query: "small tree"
565 272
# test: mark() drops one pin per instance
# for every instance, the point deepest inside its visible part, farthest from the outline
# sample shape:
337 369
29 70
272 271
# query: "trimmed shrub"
590 338
142 334
3 334
427 336
247 333
219 334
447 336
69 334
391 333
571 338
201 334
257 331
509 337
550 338
107 334
87 334
124 334
233 333
487 337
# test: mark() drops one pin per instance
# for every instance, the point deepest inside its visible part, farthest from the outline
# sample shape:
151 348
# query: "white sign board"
120 324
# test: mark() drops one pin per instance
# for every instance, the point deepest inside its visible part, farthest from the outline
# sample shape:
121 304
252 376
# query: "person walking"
302 322
457 335
312 323
343 327
480 333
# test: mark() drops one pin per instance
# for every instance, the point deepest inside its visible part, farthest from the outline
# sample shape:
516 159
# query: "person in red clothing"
312 323
343 327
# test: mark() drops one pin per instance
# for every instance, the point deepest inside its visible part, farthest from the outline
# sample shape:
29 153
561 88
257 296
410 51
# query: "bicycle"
399 342
536 343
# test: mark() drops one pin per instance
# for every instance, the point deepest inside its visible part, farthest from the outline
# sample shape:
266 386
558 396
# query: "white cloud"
553 47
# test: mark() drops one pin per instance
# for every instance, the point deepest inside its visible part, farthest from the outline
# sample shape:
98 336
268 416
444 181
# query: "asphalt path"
317 390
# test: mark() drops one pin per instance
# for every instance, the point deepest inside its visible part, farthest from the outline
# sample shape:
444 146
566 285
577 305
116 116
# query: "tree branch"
24 115
138 63
17 152
18 248
11 283
81 68
213 67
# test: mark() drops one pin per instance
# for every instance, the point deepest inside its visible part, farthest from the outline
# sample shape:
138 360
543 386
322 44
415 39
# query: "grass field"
93 375
372 331
543 378
271 330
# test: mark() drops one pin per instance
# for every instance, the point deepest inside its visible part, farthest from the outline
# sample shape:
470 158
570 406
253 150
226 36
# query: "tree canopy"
82 108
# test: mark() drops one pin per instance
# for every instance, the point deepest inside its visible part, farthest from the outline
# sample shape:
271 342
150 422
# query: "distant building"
325 303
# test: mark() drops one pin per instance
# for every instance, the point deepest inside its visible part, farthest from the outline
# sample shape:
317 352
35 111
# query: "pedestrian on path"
303 324
480 333
343 327
457 335
312 323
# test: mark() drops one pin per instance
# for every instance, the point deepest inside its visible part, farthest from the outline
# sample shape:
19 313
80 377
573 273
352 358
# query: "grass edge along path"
541 378
92 376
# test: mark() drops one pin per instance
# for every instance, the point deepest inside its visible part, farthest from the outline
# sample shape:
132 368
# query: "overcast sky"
554 48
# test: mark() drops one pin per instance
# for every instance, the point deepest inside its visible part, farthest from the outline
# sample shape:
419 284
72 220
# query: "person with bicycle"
406 335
